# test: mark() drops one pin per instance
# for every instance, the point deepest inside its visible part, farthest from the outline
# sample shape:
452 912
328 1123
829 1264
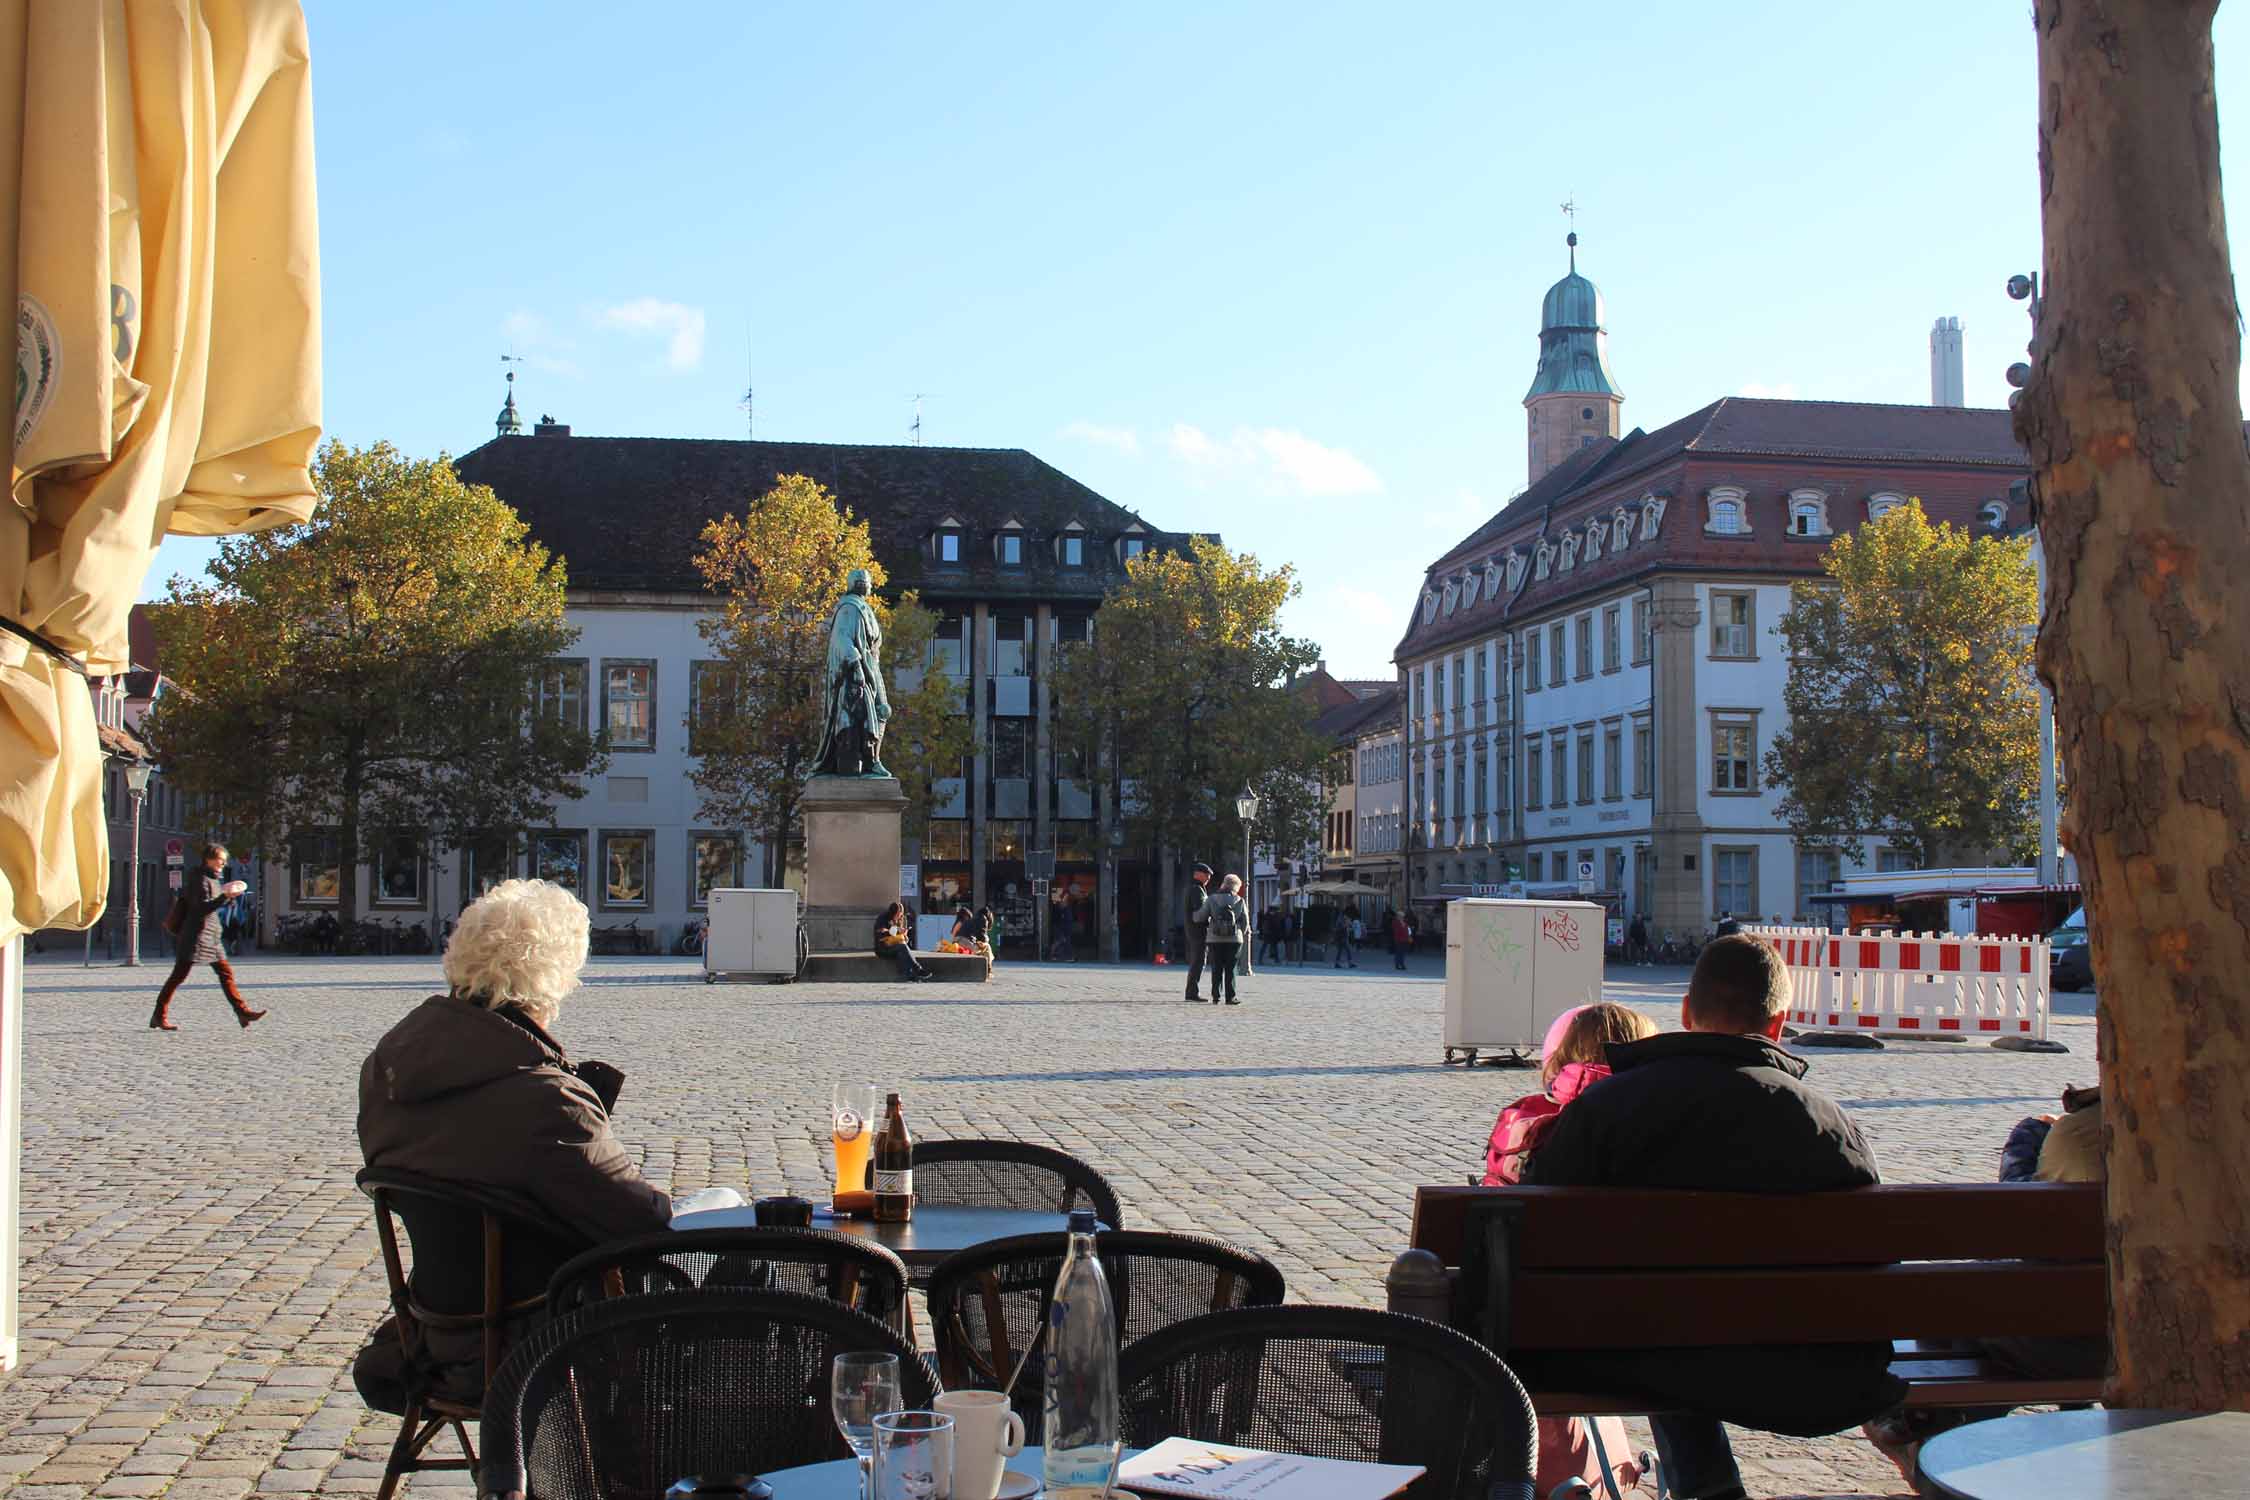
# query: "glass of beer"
851 1113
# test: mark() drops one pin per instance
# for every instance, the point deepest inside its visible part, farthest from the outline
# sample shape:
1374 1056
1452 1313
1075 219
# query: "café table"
2091 1455
936 1231
839 1480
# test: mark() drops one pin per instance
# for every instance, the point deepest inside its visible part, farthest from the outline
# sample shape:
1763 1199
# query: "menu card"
1214 1471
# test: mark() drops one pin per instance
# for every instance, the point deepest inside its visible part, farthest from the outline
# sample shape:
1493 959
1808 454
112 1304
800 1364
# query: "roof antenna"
915 431
748 403
1570 209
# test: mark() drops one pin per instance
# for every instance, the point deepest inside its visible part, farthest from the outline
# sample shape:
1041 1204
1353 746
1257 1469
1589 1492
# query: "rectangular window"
1558 763
1011 549
1134 547
1004 840
485 862
562 693
946 839
1010 658
1076 841
559 855
1613 763
316 867
1644 757
1460 786
1418 694
1460 685
1437 688
1535 867
1481 678
1734 882
1483 777
398 870
629 704
1641 643
1073 630
1731 623
1613 625
711 700
949 546
1437 788
1011 748
1506 762
1890 861
1558 651
1074 552
1733 755
625 866
1531 662
715 863
948 649
1816 872
1585 645
1534 775
1585 765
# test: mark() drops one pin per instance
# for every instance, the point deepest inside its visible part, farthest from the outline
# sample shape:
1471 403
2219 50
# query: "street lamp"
1246 808
136 782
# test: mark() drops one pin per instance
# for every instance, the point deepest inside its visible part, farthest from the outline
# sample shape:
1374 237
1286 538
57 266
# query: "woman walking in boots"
202 896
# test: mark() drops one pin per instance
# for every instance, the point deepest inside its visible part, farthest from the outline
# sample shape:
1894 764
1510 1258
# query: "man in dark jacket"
1719 1107
1197 924
204 897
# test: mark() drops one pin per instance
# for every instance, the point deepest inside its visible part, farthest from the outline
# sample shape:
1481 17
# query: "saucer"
1016 1485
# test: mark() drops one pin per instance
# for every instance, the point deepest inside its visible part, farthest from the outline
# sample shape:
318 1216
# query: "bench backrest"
1608 1268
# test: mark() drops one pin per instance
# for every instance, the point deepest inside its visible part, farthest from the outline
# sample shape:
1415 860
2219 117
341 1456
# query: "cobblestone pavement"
198 1269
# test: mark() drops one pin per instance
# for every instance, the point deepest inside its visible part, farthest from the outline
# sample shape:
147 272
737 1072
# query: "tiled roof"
1347 721
122 743
1956 459
626 513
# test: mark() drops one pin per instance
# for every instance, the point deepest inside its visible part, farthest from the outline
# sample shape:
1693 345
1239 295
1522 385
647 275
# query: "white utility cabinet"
1511 967
752 933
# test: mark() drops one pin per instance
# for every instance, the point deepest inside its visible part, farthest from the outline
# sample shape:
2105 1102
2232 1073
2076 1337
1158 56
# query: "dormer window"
1007 545
1469 584
947 541
1429 606
1541 559
1452 597
1995 513
1882 503
1594 541
1515 570
1070 546
1808 513
1492 577
1652 516
1132 543
1620 529
1727 512
1569 550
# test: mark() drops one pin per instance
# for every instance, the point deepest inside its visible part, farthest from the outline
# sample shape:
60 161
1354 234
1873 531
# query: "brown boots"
242 1011
162 1020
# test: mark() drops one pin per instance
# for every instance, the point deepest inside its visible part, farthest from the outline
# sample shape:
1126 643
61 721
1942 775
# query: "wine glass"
863 1387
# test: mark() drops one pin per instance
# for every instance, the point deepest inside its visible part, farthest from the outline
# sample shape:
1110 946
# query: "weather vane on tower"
1570 211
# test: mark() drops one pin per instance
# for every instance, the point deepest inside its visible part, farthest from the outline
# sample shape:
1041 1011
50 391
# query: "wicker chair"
1011 1174
841 1267
989 1303
480 1266
620 1398
1337 1382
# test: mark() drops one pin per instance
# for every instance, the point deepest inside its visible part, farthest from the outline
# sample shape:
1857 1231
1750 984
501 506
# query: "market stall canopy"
158 247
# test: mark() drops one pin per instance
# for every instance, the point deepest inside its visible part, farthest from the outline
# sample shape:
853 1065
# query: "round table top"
2091 1455
936 1231
840 1480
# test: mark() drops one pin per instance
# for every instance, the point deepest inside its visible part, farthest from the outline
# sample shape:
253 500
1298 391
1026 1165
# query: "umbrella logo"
38 364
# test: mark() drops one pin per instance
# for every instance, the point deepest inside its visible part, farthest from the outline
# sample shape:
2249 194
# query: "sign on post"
174 850
172 879
1585 877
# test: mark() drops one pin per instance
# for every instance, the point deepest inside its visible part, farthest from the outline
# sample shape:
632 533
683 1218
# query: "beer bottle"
894 1167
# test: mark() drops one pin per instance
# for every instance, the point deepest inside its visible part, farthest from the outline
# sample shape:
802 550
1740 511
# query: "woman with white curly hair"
470 1088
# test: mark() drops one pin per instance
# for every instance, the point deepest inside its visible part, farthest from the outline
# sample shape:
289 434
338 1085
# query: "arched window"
1471 581
1594 534
1429 606
1882 503
1808 513
1452 596
1541 560
1652 516
1995 513
1569 550
1515 567
1620 529
1728 512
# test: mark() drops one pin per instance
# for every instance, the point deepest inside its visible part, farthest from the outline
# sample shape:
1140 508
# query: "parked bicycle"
690 940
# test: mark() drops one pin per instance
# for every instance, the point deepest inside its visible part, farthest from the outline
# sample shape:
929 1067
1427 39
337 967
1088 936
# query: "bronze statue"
854 708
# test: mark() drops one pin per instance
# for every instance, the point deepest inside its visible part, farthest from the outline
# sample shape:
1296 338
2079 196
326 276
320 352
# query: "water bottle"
1079 1419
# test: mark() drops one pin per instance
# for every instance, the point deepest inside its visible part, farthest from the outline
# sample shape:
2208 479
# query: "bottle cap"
1082 1221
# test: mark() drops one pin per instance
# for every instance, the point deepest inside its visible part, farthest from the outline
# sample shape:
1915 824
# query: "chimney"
1945 363
548 427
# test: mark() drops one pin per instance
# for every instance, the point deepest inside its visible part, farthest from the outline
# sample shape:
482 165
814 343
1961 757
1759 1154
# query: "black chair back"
620 1398
1011 1174
819 1262
988 1304
1337 1382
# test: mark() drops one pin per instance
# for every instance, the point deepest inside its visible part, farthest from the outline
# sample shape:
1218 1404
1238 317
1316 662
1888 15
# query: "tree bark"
2142 492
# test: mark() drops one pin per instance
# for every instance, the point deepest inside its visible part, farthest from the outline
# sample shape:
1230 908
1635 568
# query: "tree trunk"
2142 491
347 850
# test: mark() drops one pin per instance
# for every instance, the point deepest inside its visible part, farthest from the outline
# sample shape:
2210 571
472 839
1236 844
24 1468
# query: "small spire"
1571 240
509 422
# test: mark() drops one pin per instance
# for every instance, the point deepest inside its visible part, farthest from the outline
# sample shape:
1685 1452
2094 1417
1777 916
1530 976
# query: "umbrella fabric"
159 250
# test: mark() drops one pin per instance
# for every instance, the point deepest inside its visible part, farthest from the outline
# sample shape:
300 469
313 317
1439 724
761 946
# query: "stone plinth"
851 857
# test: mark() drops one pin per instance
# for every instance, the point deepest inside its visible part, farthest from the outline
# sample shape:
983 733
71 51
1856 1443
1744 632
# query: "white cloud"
680 325
1282 459
1785 390
1123 439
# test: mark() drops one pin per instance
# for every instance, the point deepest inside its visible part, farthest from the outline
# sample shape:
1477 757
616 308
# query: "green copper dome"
1573 346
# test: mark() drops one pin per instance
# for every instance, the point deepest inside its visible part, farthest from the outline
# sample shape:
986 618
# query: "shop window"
485 862
625 870
316 867
1004 840
559 855
399 869
946 839
714 863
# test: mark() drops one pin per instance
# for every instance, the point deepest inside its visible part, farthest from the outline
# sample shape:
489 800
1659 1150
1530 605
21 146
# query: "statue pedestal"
852 849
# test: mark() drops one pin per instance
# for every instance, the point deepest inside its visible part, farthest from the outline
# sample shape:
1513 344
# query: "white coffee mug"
986 1434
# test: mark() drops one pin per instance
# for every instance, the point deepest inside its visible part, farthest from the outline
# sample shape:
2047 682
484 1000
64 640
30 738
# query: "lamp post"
1246 808
136 782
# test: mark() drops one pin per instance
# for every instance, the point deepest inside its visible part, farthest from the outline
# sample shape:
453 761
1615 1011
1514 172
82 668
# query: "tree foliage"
372 669
1185 696
778 570
1913 712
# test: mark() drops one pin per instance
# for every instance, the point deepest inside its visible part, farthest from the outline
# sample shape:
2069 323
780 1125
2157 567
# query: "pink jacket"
1515 1135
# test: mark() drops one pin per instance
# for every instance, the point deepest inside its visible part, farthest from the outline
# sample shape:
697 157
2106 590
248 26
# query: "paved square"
198 1270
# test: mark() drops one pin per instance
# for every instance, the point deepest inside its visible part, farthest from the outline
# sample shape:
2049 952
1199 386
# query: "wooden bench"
1587 1269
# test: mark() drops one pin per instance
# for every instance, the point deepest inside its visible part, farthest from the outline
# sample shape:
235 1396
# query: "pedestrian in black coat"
1719 1107
1197 918
200 939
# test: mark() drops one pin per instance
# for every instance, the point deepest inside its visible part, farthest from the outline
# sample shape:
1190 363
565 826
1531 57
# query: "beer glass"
851 1128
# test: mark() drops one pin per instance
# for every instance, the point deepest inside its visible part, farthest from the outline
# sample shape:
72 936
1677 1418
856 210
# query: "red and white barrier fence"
1915 985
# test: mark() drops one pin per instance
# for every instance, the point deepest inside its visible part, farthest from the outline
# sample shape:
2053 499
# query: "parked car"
2070 962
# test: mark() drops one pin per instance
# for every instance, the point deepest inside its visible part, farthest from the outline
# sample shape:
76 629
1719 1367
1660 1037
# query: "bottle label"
899 1183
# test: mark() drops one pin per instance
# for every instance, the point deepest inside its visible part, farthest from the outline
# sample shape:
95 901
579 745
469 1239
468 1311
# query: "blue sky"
1272 270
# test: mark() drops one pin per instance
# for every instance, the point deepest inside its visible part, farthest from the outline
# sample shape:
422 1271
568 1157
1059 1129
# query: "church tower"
1573 399
509 423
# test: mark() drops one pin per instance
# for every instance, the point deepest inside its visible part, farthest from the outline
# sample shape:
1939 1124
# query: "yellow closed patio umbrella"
158 249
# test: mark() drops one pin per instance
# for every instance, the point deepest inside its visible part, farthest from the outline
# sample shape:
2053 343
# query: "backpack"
1225 922
176 913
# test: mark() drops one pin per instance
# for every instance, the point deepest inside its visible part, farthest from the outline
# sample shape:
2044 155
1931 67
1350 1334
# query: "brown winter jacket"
476 1096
